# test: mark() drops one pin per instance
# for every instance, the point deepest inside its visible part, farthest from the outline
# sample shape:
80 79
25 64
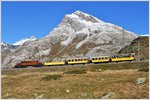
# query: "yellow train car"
54 63
77 61
129 57
100 59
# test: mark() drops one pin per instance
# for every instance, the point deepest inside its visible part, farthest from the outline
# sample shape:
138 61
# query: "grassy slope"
144 48
118 78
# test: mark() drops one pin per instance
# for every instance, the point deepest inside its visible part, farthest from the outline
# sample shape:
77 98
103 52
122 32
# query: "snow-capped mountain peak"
22 41
78 35
87 17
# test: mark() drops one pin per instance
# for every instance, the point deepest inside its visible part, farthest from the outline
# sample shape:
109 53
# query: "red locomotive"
24 64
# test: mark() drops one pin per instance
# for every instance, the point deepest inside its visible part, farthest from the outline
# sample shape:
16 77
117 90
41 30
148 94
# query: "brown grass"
27 83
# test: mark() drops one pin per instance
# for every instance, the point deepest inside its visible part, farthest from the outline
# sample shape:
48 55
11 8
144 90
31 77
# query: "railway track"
77 65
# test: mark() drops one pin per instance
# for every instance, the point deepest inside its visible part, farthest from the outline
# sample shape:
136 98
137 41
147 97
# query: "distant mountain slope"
78 35
144 47
6 50
23 41
7 46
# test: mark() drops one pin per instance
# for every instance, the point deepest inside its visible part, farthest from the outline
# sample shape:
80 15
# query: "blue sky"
24 19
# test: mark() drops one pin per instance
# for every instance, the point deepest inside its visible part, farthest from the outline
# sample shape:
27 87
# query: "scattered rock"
7 94
11 98
38 97
83 94
39 74
3 76
35 94
109 95
102 79
67 97
68 91
140 80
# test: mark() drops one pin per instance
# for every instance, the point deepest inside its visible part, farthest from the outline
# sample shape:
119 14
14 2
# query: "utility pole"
123 37
138 50
88 43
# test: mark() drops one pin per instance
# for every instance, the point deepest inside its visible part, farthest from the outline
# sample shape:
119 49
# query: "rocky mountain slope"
143 48
6 49
6 46
78 35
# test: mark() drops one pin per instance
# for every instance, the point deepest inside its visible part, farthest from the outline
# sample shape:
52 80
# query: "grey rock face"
109 95
140 80
78 35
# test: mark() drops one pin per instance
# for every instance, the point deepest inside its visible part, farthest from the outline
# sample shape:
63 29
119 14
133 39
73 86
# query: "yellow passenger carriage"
100 59
125 57
54 63
77 61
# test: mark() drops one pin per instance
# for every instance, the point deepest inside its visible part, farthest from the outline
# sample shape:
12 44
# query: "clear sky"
25 19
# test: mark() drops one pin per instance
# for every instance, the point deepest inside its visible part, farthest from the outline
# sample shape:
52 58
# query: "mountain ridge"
78 35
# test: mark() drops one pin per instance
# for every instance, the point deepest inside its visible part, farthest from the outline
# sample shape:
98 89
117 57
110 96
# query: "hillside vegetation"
144 47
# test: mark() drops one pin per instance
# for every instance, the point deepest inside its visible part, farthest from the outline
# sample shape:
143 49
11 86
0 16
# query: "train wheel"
17 66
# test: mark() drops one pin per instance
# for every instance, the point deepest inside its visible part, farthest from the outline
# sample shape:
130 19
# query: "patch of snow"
3 43
144 35
45 52
68 40
87 15
22 41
